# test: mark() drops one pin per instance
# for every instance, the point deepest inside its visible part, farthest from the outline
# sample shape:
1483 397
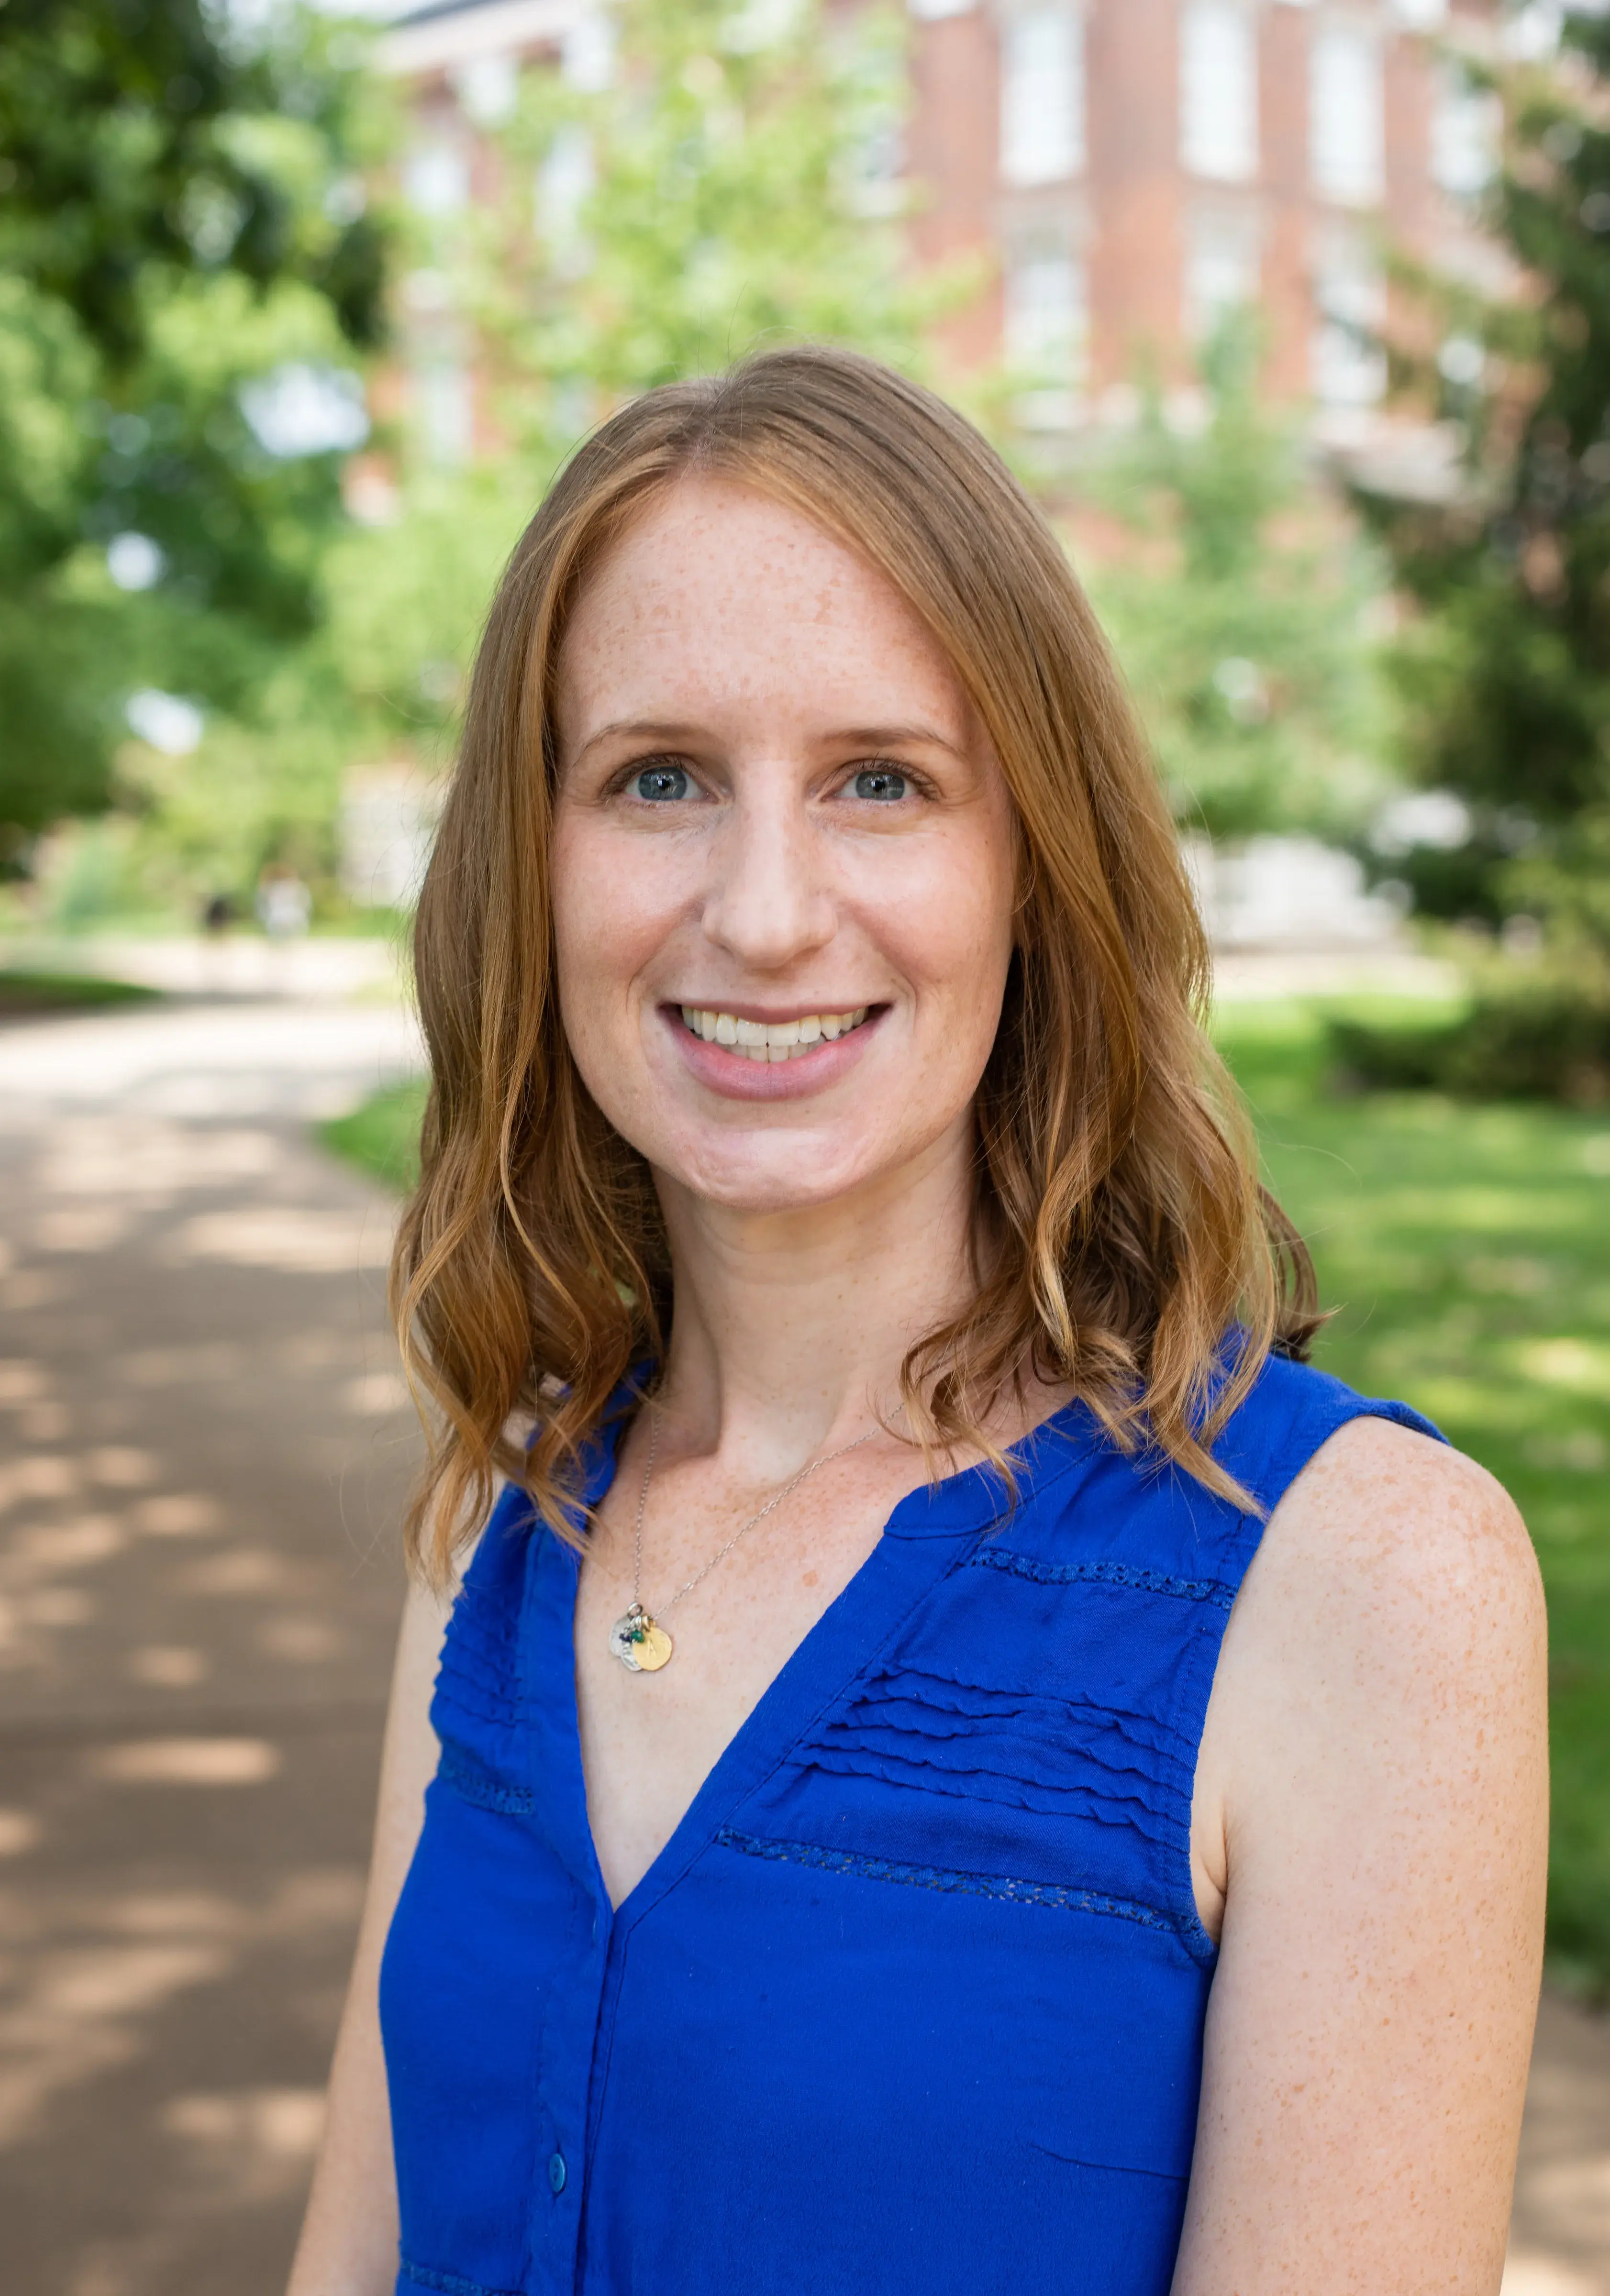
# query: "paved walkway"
202 1448
204 1443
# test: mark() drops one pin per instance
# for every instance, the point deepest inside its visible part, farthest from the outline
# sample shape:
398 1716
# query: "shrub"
1534 1032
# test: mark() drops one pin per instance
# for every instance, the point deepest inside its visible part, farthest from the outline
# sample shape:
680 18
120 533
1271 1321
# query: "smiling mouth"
770 1041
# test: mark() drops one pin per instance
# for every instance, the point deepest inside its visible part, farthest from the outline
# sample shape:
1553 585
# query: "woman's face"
784 859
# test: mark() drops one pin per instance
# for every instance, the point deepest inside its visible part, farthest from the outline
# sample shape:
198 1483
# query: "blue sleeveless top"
913 1998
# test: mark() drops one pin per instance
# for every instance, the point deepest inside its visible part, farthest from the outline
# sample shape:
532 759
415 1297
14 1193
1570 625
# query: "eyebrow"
867 737
639 729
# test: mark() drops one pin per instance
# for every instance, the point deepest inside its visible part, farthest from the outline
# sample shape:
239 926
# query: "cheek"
607 918
951 930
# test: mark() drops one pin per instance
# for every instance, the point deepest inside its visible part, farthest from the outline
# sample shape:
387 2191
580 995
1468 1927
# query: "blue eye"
881 783
660 784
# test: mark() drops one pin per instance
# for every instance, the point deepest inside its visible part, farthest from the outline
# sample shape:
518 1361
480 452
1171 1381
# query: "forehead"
717 594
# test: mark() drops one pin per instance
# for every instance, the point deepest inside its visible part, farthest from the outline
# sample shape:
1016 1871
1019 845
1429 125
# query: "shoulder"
1288 1414
1404 1539
1391 1624
1370 1846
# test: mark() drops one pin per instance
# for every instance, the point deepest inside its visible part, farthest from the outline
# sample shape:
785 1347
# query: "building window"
447 413
1044 333
1347 367
1042 97
488 89
1347 116
564 184
586 54
1219 90
436 180
1220 273
1465 126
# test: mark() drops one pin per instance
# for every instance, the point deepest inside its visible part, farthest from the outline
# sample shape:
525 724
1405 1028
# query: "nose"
768 901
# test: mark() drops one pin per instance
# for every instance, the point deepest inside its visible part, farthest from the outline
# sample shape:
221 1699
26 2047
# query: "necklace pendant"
640 1643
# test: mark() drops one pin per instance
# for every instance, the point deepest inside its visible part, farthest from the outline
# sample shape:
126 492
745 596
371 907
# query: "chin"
803 1180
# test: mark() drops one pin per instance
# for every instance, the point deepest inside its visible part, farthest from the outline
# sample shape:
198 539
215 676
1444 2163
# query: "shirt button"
556 2171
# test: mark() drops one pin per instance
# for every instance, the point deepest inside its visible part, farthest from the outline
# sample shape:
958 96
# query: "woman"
963 1764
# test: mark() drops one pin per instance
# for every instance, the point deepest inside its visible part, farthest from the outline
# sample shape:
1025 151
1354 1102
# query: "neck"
789 1328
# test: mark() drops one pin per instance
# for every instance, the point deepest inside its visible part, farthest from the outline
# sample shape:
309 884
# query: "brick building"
1128 168
1138 166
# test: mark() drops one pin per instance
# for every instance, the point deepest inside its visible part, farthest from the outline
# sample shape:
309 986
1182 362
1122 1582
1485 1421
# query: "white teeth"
769 1041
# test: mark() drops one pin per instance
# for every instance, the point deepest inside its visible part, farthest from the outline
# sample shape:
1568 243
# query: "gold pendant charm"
642 1646
654 1647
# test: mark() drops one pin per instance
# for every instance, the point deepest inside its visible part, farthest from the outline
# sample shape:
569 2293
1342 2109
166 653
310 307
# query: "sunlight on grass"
1467 1250
381 1138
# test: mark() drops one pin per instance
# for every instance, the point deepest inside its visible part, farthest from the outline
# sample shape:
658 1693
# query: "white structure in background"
388 823
167 721
1347 366
1466 129
1042 97
1287 893
303 409
1046 315
1219 91
1221 268
1347 115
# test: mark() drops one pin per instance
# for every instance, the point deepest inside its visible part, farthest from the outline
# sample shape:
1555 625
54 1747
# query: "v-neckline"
921 1540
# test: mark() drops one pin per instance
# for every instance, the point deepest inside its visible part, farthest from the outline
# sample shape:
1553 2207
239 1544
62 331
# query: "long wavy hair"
1122 1243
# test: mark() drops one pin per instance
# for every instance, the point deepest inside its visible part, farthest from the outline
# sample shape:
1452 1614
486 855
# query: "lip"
722 1071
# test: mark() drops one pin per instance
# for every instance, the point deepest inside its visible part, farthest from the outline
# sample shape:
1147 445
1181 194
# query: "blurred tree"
1240 610
731 174
1505 671
696 179
186 262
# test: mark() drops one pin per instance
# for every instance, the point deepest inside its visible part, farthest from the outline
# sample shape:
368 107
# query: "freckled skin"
1368 1824
761 641
769 648
1370 1834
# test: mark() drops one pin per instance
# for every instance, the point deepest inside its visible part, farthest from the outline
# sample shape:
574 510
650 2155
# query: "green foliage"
722 183
1240 612
1530 1031
1506 671
722 190
381 1138
67 992
1467 1251
728 186
181 221
139 137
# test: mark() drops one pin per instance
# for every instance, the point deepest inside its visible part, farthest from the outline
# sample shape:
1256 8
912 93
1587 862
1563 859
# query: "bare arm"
349 2243
1375 1758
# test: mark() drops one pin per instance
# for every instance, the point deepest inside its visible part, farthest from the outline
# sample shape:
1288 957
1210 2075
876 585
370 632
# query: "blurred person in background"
958 1762
284 906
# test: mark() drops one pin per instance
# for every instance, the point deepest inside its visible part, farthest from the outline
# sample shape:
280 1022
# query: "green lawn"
1467 1250
383 1136
64 992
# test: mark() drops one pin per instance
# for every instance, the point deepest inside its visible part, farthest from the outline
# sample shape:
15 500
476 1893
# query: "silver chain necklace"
636 1638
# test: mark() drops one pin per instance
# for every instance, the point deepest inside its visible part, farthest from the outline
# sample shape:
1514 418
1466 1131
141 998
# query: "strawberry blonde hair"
1122 1241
